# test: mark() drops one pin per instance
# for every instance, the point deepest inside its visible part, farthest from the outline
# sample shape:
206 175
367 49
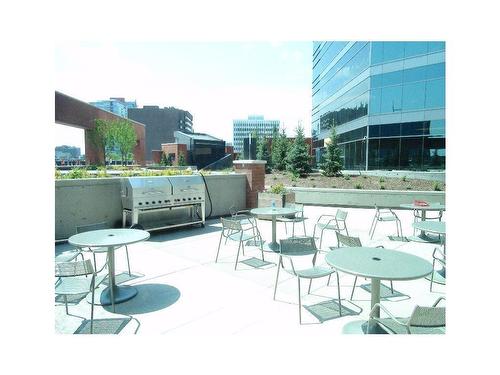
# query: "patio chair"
335 222
72 280
417 216
423 320
100 250
234 230
297 218
438 257
350 241
297 247
385 215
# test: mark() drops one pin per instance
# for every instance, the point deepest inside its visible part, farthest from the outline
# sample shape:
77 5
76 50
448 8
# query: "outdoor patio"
182 291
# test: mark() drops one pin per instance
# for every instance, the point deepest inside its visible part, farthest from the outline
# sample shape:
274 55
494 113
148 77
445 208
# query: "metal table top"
378 263
274 211
438 227
108 237
430 207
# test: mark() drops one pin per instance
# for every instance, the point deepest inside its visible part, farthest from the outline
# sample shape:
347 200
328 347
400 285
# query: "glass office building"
386 101
117 106
244 128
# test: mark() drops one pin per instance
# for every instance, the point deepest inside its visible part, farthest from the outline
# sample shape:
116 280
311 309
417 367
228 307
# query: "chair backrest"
423 316
70 269
89 227
233 211
341 215
230 224
348 241
298 246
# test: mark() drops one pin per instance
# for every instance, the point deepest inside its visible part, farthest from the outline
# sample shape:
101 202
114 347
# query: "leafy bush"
347 178
381 180
358 186
77 173
403 179
437 187
382 187
278 189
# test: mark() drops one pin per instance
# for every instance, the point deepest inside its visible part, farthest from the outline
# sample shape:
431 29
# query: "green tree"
263 152
298 159
125 138
102 136
182 161
332 160
281 146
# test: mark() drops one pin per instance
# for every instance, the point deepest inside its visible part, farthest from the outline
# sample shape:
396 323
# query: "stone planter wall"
87 201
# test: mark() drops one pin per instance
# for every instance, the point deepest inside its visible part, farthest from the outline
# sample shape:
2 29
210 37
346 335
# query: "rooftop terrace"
183 292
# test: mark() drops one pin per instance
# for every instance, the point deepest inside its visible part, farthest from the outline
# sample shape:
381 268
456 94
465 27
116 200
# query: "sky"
217 82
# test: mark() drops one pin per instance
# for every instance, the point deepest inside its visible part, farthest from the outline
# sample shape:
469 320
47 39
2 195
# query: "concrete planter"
363 198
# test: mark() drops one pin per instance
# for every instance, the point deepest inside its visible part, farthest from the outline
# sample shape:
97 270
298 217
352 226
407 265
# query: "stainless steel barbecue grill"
171 201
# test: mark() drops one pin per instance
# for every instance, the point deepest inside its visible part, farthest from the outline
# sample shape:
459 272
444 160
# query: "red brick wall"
177 149
255 171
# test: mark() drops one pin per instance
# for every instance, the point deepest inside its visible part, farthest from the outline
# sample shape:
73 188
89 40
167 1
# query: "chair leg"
371 226
432 274
277 275
310 283
243 248
338 291
237 255
321 238
328 282
293 229
128 261
392 288
286 229
92 311
66 303
304 225
373 232
300 312
354 286
220 240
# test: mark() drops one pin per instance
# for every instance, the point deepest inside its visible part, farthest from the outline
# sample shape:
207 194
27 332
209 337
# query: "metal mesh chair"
385 215
438 257
72 279
297 218
100 250
423 320
293 248
234 230
335 222
350 241
417 216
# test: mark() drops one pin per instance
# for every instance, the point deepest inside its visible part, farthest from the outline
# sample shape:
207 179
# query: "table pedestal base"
121 294
271 247
425 238
360 327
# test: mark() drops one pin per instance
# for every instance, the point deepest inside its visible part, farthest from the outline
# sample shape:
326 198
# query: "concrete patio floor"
182 291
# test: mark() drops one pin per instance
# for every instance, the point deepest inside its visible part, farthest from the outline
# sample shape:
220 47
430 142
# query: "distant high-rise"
117 106
386 101
161 123
242 128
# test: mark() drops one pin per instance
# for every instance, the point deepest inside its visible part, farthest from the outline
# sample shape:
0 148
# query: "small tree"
281 146
298 159
263 152
165 160
182 161
102 136
332 160
124 138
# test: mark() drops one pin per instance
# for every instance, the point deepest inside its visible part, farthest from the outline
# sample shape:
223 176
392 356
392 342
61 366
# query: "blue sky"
215 81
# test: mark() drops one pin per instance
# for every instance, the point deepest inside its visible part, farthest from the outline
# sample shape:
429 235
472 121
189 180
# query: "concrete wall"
418 175
87 201
363 198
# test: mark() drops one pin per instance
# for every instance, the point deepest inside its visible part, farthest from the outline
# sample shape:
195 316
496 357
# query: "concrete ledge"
363 198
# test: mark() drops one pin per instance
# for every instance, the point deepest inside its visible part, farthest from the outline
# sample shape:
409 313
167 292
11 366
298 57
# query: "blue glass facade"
115 105
386 101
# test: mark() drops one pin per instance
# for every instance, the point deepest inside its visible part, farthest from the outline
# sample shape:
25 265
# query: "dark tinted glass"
391 99
413 96
374 131
411 153
389 153
435 93
373 154
412 128
390 130
434 154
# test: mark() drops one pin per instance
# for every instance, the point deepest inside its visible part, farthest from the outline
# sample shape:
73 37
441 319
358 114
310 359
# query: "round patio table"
377 264
423 237
112 239
437 227
273 212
